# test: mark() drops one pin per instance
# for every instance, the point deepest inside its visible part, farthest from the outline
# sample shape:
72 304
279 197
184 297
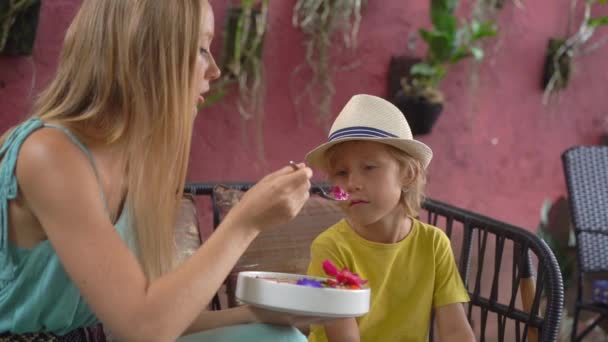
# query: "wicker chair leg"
527 287
590 327
575 322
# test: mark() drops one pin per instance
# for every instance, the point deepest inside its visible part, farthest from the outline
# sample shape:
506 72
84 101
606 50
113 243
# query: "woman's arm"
58 184
245 314
453 324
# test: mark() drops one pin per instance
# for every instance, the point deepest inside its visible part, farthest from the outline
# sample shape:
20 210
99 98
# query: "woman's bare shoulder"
49 160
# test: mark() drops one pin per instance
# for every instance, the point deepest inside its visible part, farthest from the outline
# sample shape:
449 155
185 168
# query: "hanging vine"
483 11
561 52
320 20
242 63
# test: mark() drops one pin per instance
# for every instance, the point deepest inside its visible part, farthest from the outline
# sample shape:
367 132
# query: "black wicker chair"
586 171
496 262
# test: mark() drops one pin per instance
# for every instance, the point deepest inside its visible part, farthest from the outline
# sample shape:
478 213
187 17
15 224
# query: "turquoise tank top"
36 294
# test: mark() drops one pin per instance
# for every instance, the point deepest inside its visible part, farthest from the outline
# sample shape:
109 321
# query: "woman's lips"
199 102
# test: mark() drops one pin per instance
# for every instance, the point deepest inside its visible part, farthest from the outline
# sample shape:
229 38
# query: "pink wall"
497 149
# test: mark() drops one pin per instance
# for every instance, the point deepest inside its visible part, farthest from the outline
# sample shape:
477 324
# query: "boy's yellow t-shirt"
407 279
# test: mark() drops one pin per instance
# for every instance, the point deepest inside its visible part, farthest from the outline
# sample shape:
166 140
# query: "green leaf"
603 2
213 97
440 72
444 22
427 36
487 29
445 6
423 69
477 53
459 54
440 45
595 22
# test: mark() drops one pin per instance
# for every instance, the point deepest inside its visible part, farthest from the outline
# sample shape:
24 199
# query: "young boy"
409 265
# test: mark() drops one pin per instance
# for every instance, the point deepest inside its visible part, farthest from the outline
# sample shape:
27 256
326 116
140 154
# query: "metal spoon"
317 189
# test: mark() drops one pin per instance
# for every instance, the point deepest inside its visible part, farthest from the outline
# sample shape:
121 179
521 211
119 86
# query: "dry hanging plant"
561 52
320 21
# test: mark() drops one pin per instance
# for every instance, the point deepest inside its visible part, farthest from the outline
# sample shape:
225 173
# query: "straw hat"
371 118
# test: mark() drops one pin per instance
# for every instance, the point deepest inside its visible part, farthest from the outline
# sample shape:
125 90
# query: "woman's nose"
213 72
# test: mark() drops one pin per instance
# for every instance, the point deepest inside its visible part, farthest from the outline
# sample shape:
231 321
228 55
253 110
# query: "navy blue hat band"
360 132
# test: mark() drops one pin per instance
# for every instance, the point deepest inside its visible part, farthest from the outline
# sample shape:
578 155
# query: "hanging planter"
421 111
413 83
558 63
18 26
241 57
561 52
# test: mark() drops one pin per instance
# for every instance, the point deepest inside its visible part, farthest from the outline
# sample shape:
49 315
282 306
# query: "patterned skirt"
89 334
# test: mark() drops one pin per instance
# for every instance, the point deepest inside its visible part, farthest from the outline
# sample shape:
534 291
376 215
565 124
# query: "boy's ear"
409 174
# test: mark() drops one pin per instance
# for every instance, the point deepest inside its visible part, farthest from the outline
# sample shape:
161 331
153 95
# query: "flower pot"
399 68
420 114
21 34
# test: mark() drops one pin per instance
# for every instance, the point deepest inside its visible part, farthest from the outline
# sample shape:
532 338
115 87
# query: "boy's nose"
353 183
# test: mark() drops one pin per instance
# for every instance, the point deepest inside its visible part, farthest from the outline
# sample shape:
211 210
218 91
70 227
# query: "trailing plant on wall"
320 20
241 60
562 51
555 228
414 83
483 11
18 25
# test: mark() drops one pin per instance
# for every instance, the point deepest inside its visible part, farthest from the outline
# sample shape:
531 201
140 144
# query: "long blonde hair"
126 76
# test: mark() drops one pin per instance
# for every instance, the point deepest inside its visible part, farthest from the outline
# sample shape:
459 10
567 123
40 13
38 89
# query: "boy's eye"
340 173
370 167
203 51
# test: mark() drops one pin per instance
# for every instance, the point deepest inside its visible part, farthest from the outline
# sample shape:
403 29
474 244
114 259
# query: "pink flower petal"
329 268
339 193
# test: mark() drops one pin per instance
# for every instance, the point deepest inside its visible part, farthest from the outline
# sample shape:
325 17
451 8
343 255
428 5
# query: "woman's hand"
281 318
275 199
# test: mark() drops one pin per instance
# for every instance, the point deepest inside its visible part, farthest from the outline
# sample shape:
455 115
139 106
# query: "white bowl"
252 289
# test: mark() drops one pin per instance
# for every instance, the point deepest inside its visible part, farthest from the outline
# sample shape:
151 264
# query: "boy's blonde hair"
412 194
126 77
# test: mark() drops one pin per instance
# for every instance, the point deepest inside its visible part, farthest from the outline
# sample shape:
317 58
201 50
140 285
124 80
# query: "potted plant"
555 228
413 82
320 21
241 58
561 51
18 25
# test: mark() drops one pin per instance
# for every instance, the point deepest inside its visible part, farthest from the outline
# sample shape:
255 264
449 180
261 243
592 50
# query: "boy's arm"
453 324
342 330
339 330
